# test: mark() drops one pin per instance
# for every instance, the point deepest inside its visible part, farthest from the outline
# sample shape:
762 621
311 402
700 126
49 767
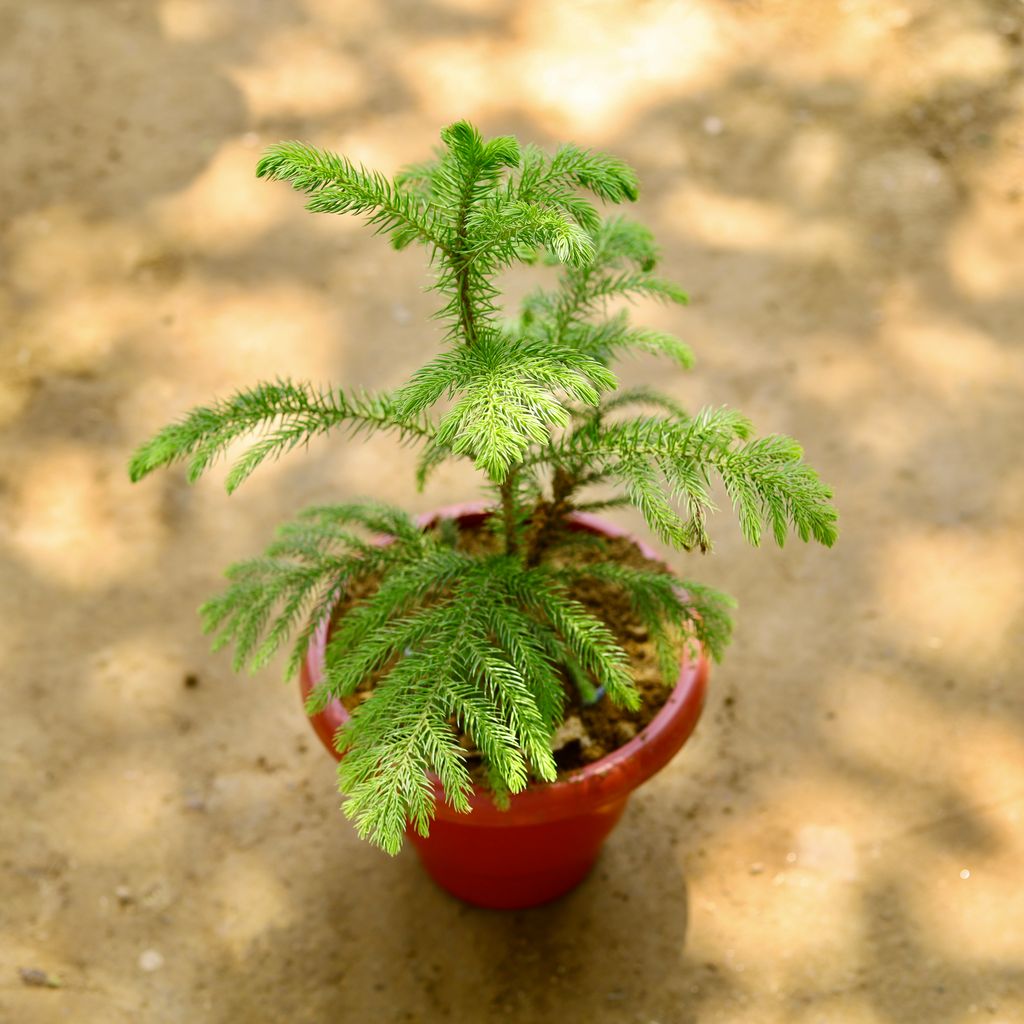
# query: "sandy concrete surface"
840 187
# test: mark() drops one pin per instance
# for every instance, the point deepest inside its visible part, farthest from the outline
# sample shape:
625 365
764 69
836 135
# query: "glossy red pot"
550 836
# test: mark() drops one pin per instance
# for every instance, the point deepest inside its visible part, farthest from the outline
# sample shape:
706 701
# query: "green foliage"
669 462
510 391
483 645
283 415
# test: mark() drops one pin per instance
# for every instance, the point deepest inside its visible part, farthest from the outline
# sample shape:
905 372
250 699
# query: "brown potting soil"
589 731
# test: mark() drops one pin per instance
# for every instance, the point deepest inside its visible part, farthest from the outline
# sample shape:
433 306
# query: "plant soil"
588 732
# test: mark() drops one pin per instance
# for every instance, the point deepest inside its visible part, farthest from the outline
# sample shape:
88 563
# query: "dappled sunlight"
548 63
249 901
963 888
224 208
132 683
60 248
813 161
957 590
70 273
954 362
296 75
810 911
983 248
357 19
79 328
229 335
838 186
956 45
859 36
892 433
721 221
991 762
75 525
897 733
192 21
903 191
839 375
803 862
856 35
477 7
110 803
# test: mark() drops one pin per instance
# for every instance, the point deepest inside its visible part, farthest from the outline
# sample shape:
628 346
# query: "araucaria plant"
483 643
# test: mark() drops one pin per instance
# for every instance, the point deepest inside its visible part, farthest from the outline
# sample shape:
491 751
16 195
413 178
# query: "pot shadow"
616 942
402 949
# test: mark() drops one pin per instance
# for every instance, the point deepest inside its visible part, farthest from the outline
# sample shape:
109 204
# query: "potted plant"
486 675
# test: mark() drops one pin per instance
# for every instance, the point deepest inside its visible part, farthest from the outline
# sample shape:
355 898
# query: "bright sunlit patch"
812 160
112 803
580 67
965 53
915 729
590 63
60 247
191 20
949 357
992 764
480 7
248 900
131 680
242 335
963 588
298 76
226 206
971 910
75 524
844 374
733 222
983 248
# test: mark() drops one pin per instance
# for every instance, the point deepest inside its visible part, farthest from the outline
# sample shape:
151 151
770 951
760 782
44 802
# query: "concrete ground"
840 187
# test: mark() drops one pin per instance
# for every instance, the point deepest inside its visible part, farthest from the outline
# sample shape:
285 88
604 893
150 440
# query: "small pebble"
151 960
625 731
571 729
757 868
38 978
124 895
713 125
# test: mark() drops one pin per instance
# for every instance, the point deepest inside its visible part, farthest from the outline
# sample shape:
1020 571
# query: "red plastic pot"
550 836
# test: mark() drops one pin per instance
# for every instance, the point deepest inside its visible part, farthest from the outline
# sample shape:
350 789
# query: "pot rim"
604 782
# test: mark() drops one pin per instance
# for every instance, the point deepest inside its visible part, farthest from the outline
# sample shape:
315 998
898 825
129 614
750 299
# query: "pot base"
524 866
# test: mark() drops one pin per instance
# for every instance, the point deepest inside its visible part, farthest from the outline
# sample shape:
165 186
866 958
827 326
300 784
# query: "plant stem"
466 315
508 512
548 516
